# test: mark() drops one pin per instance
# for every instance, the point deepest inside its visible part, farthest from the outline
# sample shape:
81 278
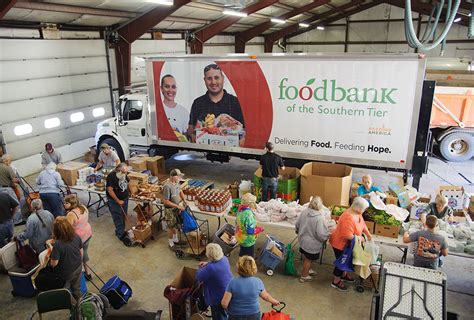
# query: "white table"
281 224
101 202
393 242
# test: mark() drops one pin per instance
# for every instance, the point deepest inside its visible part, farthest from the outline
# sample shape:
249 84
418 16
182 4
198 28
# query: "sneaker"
127 242
180 243
312 272
347 278
306 279
339 286
172 248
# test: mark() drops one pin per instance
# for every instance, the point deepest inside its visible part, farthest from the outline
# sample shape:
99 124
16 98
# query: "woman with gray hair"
350 224
215 276
440 209
312 233
39 227
49 182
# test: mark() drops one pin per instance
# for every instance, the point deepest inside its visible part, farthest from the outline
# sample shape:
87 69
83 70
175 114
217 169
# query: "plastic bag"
344 262
289 264
372 249
398 213
376 202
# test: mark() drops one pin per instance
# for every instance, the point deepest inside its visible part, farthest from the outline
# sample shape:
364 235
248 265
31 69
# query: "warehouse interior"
64 66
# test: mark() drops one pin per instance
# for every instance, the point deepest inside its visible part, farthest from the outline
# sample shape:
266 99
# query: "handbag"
48 279
344 262
27 257
176 296
189 222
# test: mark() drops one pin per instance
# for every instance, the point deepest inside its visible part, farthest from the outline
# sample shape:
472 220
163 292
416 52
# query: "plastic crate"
226 248
268 258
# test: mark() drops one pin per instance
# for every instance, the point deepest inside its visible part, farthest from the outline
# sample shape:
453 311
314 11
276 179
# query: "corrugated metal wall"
43 81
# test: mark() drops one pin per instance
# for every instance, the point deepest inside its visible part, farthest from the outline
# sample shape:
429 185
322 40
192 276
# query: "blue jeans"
117 216
218 313
256 316
53 202
269 185
6 232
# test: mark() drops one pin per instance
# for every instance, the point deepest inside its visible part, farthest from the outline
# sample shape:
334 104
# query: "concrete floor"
149 270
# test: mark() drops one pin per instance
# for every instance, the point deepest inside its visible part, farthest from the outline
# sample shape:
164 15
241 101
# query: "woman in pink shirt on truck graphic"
78 217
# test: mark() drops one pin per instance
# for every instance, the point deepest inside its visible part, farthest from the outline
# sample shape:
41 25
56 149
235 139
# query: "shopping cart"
272 254
411 293
196 240
227 230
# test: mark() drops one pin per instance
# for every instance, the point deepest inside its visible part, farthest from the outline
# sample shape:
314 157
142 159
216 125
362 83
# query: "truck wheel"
457 147
115 146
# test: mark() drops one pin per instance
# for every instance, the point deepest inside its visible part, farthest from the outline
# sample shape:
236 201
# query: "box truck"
361 110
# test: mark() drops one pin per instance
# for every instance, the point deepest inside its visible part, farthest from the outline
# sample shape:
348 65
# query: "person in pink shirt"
78 217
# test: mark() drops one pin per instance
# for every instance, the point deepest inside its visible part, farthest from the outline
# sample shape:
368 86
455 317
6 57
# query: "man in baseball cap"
174 202
50 155
108 158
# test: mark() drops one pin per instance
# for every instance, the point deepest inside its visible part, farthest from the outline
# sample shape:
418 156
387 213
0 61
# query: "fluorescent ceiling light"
320 27
162 2
234 13
276 20
304 25
457 19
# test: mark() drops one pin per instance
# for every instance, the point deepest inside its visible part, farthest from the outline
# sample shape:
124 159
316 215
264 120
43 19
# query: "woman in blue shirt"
367 187
241 296
215 276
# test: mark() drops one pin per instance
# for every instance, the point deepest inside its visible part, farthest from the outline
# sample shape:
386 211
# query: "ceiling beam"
5 6
244 36
342 15
131 31
274 36
218 26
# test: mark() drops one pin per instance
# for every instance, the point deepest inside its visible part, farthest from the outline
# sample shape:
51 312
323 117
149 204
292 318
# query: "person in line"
16 187
246 225
177 114
50 155
66 256
215 276
117 199
430 245
8 207
78 217
367 187
350 224
242 293
270 163
108 158
312 232
8 179
173 199
439 209
39 227
215 101
49 182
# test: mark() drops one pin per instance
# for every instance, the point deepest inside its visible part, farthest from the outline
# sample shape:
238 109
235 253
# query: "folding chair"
53 300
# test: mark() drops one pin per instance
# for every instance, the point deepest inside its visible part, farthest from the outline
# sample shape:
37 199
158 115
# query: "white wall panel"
47 49
13 70
368 31
19 33
329 34
20 110
315 48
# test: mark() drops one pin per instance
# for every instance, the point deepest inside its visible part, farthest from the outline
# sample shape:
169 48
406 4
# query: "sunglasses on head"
212 66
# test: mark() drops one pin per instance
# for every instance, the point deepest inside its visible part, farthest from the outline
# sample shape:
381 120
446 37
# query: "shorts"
171 217
310 256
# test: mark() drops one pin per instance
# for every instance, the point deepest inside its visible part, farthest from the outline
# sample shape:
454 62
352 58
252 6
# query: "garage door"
52 91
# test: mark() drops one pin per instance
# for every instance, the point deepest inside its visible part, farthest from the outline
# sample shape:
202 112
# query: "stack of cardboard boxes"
156 165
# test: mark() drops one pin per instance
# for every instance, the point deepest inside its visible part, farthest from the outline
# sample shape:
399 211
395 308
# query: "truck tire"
114 145
457 146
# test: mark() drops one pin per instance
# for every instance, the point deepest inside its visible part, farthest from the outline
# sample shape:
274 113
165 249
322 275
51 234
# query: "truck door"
133 125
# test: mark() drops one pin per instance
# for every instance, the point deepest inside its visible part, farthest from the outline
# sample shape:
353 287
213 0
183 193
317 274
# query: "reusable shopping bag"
344 262
289 264
372 249
189 222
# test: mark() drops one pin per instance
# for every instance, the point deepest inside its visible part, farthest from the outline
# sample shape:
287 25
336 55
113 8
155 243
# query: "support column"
268 45
346 41
123 59
239 45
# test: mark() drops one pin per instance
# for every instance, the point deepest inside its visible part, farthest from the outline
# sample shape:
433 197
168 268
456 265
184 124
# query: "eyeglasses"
211 66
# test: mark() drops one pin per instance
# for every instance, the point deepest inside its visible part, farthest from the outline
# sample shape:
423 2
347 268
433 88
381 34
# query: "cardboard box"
138 164
425 198
288 186
455 195
417 208
140 177
93 150
133 186
203 137
387 231
143 233
370 226
332 182
277 252
69 171
156 165
89 157
390 199
184 278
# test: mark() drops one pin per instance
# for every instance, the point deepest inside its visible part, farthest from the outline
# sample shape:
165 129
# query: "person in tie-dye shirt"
247 230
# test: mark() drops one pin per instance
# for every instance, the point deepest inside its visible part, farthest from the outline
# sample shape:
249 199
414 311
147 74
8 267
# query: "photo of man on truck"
177 114
216 117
